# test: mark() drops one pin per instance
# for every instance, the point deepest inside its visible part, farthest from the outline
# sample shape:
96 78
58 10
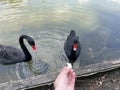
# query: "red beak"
34 48
74 47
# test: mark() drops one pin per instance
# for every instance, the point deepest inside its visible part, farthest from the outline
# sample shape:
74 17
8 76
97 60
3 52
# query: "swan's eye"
34 48
74 47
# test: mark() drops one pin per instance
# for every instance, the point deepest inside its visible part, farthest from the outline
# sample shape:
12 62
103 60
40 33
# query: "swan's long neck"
24 48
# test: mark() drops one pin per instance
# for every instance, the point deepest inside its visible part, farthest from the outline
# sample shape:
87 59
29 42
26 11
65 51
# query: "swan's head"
72 32
33 46
32 43
75 41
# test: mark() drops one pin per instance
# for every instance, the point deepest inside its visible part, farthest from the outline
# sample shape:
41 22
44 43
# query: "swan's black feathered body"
72 47
12 55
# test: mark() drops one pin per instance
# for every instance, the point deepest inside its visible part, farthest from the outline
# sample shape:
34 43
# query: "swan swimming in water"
12 55
72 47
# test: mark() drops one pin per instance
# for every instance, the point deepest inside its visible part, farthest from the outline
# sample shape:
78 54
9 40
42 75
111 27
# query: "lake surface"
96 22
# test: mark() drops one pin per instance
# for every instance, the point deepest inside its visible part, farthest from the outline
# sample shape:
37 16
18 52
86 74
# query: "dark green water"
49 22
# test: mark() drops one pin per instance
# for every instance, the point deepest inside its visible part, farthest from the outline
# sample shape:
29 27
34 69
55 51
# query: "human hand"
65 80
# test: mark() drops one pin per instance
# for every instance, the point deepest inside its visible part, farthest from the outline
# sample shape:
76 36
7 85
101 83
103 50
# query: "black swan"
72 47
11 55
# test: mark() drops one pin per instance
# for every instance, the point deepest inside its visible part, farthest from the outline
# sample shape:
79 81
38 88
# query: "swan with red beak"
72 47
12 55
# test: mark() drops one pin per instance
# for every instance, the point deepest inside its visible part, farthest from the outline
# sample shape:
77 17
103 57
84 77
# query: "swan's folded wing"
11 54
